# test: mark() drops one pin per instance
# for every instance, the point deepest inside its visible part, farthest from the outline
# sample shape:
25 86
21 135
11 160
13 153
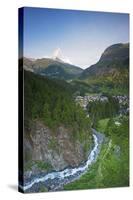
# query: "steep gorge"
52 141
55 148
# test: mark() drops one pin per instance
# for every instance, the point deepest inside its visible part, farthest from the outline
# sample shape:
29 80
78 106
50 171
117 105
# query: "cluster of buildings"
124 100
124 104
83 101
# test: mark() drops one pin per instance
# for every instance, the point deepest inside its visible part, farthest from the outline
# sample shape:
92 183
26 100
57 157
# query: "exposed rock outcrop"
56 148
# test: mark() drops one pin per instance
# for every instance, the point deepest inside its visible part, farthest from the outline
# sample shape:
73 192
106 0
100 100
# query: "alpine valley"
76 122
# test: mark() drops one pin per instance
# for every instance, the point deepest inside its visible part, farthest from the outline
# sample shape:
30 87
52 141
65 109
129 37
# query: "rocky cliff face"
46 150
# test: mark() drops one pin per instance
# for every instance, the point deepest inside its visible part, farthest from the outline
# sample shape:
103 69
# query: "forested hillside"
101 110
52 102
57 131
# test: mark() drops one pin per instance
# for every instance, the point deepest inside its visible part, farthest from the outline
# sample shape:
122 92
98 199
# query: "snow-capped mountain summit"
58 55
56 66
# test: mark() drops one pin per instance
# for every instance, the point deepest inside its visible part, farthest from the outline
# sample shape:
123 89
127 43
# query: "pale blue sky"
81 35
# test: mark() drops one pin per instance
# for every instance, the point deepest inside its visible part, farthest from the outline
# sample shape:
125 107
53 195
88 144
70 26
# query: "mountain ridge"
109 75
54 68
114 57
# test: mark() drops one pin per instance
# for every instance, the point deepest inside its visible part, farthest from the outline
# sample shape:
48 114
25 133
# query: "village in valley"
123 100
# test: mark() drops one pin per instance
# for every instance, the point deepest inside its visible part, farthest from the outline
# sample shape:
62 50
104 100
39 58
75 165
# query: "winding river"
56 180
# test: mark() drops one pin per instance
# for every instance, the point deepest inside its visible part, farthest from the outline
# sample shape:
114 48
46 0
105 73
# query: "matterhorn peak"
58 55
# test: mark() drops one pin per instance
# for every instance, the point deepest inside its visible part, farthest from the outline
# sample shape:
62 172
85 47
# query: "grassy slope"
102 124
93 177
112 166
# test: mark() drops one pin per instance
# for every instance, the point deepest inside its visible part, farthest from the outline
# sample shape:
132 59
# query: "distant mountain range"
109 74
55 68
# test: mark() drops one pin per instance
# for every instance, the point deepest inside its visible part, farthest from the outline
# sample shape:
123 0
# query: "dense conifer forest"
52 102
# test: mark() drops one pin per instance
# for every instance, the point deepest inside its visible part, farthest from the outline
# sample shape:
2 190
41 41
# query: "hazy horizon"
79 36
